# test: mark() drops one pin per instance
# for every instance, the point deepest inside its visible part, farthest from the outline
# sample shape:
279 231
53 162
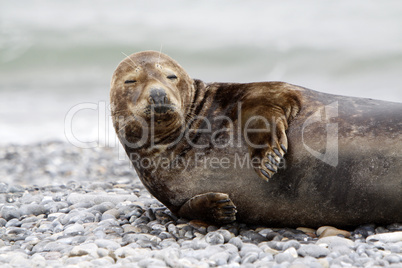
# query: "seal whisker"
160 52
130 60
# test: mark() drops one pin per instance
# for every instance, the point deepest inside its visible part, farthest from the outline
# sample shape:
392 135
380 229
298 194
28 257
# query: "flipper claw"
268 166
263 172
284 148
276 151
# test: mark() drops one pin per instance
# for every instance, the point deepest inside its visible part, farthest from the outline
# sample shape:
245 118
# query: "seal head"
149 92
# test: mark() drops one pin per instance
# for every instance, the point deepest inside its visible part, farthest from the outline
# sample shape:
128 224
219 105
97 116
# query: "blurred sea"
58 56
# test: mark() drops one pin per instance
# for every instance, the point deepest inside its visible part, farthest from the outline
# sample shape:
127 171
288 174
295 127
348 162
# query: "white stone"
292 251
333 241
386 237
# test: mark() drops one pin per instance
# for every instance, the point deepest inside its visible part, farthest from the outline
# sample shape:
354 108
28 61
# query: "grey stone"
105 206
74 229
99 199
30 219
291 244
13 223
45 226
211 228
373 253
84 249
56 246
395 247
226 234
284 257
15 189
57 226
206 253
247 248
9 212
137 254
102 262
395 227
393 258
220 258
3 187
169 243
250 257
253 236
276 245
151 262
38 260
381 229
144 243
273 236
111 212
343 250
265 231
17 233
214 238
83 205
32 239
78 216
195 244
365 230
236 241
32 209
313 251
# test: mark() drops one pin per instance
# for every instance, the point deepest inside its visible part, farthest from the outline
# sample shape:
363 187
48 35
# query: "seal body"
265 153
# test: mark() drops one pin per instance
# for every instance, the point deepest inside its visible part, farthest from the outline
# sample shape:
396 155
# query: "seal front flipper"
210 207
265 119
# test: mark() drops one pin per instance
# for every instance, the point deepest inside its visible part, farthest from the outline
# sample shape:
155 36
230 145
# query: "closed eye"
172 77
130 81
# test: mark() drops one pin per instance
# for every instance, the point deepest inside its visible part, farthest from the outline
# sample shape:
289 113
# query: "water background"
55 55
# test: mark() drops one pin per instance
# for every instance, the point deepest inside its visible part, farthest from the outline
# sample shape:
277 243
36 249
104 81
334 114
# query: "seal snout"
159 100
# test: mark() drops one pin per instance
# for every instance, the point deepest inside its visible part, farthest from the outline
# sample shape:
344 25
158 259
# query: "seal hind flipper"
210 207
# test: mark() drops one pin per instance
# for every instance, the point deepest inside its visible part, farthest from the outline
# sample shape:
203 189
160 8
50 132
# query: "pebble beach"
62 206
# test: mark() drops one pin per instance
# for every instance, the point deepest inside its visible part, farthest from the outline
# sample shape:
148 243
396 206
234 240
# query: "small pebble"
313 251
214 238
325 231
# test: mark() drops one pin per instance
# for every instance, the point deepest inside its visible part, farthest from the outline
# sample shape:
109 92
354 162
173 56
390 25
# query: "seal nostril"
158 98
